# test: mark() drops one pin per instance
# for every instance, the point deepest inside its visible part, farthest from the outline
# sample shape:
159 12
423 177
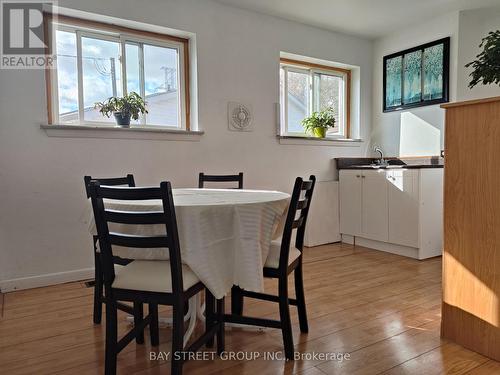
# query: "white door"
374 212
403 188
350 202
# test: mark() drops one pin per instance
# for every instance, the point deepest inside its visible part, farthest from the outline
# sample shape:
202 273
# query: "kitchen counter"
398 209
393 163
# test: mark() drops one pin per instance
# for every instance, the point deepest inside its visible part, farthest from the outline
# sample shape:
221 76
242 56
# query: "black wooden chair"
282 260
220 178
154 282
99 297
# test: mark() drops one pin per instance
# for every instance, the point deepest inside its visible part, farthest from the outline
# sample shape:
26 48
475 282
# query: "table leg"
201 312
192 313
201 316
168 321
196 311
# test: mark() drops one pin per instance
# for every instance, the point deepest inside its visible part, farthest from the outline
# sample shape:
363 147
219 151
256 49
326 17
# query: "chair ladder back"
128 180
304 205
106 253
298 207
173 233
121 217
104 216
202 178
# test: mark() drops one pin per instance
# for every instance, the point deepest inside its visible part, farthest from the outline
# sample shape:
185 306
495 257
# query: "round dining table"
224 234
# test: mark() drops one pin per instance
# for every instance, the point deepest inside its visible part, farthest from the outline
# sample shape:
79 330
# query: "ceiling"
366 18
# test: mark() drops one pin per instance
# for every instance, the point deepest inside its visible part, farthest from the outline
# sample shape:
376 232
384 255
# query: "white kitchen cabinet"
395 210
363 207
350 204
374 223
403 197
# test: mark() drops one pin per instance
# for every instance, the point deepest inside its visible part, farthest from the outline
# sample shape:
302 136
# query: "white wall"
43 222
415 132
474 25
393 131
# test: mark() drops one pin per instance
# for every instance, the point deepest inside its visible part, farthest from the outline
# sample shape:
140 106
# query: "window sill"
117 132
313 141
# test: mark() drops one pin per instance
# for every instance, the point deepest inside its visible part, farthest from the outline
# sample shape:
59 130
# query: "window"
305 88
96 61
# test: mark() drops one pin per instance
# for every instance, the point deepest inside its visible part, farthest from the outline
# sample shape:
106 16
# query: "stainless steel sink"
378 166
395 166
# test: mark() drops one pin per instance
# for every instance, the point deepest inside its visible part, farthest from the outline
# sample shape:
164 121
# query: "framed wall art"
417 76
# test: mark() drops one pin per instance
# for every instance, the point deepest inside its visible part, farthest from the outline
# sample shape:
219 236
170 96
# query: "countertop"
394 163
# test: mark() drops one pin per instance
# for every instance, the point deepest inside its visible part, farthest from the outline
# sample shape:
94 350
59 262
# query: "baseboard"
46 280
406 251
334 239
347 238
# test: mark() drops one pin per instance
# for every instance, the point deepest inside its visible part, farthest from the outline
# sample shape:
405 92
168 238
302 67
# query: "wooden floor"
382 309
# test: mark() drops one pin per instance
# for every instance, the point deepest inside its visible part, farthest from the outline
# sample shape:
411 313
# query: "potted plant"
319 122
487 66
123 108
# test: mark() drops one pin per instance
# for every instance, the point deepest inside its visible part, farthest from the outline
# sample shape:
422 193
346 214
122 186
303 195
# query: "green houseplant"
487 65
318 123
123 108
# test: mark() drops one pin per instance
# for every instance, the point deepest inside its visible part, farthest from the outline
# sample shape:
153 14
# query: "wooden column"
471 254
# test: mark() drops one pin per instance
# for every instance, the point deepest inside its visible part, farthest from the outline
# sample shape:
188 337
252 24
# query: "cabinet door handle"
363 176
358 176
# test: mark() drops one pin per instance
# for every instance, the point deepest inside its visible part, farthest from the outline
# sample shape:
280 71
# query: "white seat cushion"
118 268
151 276
273 259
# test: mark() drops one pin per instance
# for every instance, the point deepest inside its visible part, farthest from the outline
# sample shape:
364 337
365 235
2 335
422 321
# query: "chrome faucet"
381 160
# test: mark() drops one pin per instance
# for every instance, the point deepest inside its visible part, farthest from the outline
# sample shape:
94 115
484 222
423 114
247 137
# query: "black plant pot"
122 119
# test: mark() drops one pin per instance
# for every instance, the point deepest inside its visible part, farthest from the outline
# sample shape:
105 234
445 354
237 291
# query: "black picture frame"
446 76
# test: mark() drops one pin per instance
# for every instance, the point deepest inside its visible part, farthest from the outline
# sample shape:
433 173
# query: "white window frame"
313 98
122 39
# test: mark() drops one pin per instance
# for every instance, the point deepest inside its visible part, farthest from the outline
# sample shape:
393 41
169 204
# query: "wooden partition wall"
471 254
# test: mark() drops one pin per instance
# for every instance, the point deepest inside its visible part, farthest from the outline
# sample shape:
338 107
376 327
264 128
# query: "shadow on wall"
418 137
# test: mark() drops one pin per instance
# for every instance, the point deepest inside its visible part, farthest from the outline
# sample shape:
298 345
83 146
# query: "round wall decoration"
239 116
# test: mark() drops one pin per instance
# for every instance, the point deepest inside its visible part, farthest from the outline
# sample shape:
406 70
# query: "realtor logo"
23 35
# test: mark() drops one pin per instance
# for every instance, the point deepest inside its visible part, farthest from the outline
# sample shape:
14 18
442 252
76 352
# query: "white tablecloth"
224 234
